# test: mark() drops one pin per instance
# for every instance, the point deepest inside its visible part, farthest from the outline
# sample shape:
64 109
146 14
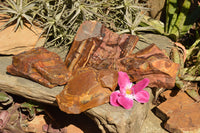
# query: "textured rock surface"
86 89
31 90
40 65
181 112
150 63
94 45
152 124
37 92
162 42
119 120
98 47
25 87
16 42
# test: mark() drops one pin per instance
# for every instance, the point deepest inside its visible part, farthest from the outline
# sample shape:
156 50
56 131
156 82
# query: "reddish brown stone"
40 65
93 59
182 113
88 88
96 46
150 63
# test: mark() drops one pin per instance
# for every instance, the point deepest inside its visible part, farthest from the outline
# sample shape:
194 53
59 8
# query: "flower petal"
142 96
114 97
140 85
123 81
125 102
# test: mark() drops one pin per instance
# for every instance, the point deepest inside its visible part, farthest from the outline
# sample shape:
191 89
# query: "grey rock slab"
152 124
107 117
112 119
163 42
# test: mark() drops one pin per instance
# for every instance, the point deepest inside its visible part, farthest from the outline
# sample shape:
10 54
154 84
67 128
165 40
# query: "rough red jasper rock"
150 63
40 65
98 47
94 43
93 59
86 89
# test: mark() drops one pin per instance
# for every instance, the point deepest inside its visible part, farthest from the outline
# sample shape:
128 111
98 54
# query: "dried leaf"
4 117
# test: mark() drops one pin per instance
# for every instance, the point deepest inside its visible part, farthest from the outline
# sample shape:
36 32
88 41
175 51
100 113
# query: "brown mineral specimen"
40 65
88 88
94 44
150 63
91 67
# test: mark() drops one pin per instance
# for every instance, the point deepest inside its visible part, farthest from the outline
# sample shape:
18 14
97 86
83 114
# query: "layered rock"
87 88
32 90
40 65
98 47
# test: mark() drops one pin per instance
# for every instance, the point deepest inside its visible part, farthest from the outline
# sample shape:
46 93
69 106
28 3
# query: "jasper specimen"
86 89
94 44
150 63
90 68
98 47
40 65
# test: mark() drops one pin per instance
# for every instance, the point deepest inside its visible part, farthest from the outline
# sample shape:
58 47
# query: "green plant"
188 76
50 17
5 99
60 19
178 19
32 108
20 11
133 13
193 57
84 10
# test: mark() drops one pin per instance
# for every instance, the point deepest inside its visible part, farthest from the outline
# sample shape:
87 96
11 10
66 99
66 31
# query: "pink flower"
128 92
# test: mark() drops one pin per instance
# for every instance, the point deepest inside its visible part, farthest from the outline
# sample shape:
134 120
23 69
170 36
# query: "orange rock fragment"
87 89
182 113
40 65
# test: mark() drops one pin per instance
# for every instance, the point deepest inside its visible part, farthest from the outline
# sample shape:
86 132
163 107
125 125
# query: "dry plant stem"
157 93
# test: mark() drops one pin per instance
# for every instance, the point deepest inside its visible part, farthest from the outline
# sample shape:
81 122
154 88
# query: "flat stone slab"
12 43
180 112
152 124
